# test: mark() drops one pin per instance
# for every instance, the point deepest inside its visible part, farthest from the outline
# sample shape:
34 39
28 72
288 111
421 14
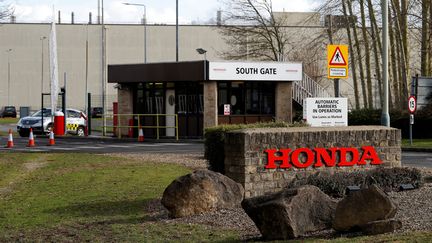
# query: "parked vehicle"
75 123
8 111
96 112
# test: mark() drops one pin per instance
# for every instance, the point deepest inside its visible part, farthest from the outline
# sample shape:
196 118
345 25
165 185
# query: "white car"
75 123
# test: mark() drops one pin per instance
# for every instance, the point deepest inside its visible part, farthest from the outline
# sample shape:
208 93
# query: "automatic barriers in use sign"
326 112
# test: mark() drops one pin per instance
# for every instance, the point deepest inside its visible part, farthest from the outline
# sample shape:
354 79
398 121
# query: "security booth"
199 94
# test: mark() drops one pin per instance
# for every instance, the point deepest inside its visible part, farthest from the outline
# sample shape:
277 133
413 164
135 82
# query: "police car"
75 123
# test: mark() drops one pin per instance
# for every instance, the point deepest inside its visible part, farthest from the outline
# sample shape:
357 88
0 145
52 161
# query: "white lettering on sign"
256 71
324 112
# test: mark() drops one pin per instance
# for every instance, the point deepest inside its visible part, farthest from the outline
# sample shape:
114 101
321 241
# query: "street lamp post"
42 69
202 51
8 96
42 62
385 117
145 26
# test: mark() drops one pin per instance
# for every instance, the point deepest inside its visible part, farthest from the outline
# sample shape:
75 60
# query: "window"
73 114
247 98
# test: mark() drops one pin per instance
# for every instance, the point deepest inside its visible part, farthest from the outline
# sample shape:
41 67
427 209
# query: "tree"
5 10
425 38
253 31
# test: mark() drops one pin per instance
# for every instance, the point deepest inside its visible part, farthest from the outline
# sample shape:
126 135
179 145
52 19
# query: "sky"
158 11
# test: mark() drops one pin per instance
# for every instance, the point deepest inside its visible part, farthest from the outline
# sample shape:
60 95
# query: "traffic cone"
140 135
31 142
10 143
51 139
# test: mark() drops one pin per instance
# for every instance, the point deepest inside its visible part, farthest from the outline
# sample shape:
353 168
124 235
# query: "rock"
381 226
201 191
361 207
291 212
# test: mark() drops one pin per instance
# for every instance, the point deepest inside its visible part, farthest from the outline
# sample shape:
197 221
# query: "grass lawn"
417 143
8 120
86 197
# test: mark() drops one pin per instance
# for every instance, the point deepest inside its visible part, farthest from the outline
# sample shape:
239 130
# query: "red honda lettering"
296 161
343 156
272 158
370 154
322 153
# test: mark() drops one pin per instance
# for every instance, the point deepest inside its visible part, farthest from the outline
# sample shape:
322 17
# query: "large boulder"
291 213
201 191
361 207
381 226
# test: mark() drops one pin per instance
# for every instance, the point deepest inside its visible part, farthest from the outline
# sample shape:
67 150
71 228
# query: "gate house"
197 92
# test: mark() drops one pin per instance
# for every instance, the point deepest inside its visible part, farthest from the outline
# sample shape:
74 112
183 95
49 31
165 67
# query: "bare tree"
367 54
425 38
253 31
5 10
352 57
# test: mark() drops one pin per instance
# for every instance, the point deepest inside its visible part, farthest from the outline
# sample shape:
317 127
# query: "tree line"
253 30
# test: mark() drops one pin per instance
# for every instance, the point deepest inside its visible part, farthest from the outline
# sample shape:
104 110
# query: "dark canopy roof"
157 72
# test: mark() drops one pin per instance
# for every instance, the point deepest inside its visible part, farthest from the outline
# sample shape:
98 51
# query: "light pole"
202 51
177 33
42 38
145 26
385 117
8 51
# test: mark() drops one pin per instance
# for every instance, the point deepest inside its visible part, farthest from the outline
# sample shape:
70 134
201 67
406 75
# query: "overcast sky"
158 11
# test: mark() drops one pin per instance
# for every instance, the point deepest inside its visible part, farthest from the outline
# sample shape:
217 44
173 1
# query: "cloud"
190 11
27 13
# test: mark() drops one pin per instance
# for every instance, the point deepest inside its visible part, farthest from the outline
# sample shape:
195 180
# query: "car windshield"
46 113
9 108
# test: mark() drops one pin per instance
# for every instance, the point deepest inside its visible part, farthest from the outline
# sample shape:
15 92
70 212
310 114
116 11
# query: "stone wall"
245 159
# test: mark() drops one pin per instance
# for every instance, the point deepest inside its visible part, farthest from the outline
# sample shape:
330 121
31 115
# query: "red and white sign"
256 71
318 157
338 58
412 104
227 109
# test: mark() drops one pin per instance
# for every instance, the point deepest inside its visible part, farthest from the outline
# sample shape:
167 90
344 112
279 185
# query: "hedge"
215 138
399 119
335 184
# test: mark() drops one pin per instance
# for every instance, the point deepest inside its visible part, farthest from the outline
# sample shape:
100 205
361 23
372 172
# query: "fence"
119 120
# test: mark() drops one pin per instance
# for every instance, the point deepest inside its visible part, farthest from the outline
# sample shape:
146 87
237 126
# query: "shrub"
335 184
214 150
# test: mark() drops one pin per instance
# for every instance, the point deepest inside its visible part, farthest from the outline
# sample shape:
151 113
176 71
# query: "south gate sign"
256 71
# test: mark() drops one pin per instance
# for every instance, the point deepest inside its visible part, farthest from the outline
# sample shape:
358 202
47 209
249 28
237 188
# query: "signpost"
412 106
337 64
327 112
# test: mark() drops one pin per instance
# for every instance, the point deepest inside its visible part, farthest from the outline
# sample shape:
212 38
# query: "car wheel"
23 134
80 131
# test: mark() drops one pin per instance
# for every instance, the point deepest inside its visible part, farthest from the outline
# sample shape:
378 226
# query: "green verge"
8 120
95 198
417 143
86 197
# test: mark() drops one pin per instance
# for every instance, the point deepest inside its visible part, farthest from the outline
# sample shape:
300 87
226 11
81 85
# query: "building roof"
157 72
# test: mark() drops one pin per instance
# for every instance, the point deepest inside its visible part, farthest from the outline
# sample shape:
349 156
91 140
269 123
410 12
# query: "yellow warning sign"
337 61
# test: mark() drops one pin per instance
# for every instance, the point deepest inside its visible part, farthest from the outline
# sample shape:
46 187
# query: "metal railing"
118 118
307 88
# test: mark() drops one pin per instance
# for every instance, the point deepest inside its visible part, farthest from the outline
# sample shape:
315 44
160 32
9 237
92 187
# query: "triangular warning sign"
338 58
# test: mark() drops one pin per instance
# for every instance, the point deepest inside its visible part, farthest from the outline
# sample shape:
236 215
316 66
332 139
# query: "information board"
327 112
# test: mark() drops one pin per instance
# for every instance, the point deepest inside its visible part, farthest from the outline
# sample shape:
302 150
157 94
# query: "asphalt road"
417 159
92 145
96 145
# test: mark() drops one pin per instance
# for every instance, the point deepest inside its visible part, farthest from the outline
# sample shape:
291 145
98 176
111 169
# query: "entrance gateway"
198 91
